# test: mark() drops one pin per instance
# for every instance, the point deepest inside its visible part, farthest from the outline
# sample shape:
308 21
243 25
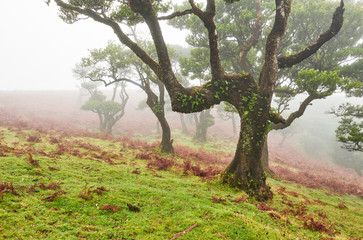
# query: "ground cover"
57 185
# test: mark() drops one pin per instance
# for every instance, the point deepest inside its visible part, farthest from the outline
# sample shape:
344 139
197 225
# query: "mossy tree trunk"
246 169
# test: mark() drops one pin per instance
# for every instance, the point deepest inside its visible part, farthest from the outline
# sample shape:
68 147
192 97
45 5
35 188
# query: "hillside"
56 185
60 179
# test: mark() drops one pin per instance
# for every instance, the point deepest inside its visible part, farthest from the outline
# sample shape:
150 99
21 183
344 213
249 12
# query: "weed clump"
52 197
7 187
262 206
210 171
34 138
32 161
310 223
133 208
239 200
341 206
161 163
112 208
51 186
86 192
219 200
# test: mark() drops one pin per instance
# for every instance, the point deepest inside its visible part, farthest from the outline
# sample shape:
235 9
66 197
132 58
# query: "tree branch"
336 25
268 75
293 116
253 39
207 18
117 30
176 14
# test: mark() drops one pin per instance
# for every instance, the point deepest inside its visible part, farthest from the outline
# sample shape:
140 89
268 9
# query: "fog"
38 50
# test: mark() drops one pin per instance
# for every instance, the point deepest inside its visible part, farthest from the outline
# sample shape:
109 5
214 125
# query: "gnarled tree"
251 97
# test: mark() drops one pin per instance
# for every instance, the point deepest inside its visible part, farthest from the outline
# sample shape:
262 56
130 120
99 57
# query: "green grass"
170 201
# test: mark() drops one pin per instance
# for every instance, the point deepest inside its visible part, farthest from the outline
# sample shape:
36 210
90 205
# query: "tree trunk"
166 144
157 106
234 125
246 169
265 161
158 127
202 125
182 121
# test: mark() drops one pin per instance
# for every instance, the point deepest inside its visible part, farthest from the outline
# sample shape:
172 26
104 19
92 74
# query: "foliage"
350 131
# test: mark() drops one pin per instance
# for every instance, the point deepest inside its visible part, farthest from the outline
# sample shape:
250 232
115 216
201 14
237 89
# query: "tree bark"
246 169
166 144
156 104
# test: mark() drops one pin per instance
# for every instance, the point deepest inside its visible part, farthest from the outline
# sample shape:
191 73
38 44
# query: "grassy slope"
170 201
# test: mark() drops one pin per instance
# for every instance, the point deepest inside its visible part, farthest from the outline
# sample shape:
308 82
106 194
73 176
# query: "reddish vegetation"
34 138
32 161
86 193
321 226
57 115
239 200
262 206
7 188
219 200
161 163
112 208
52 186
305 171
341 205
52 197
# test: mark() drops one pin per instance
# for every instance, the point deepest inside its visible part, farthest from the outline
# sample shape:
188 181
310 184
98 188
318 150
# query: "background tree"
251 97
115 65
108 111
350 131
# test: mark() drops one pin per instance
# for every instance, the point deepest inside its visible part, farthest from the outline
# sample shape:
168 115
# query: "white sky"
38 50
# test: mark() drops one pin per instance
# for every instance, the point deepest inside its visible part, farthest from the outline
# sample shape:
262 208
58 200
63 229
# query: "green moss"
169 204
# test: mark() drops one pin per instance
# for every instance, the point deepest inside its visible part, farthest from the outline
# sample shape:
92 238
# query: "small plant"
262 206
219 200
86 192
52 197
341 206
32 161
314 225
34 138
7 187
239 200
161 163
112 208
